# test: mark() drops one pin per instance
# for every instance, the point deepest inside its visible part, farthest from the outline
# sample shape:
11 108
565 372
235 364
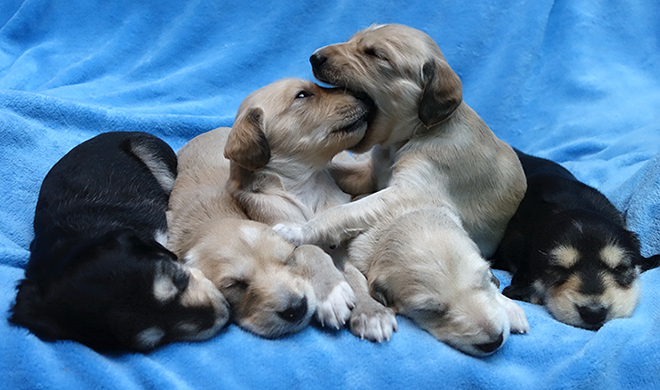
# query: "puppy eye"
237 284
437 312
304 94
372 52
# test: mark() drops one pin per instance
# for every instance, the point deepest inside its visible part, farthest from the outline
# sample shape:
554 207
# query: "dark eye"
304 94
372 52
556 275
237 284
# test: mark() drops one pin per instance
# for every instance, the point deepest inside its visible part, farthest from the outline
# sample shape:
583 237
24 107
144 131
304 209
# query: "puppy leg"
334 296
352 176
346 221
517 317
369 318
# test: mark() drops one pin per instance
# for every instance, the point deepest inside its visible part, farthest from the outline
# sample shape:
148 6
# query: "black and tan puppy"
96 273
568 248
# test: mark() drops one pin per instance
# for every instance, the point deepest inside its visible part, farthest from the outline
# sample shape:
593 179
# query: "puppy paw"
335 309
291 233
375 323
517 317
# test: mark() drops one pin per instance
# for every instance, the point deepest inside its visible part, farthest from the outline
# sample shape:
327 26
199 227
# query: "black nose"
491 347
593 315
317 59
295 312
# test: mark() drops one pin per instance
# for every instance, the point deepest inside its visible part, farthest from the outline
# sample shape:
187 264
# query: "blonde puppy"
430 152
272 287
284 136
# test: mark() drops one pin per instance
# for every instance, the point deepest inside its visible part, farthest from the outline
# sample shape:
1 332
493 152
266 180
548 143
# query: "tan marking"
612 255
164 288
565 256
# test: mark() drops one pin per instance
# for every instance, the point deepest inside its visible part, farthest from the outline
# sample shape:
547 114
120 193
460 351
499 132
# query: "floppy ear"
442 92
247 145
30 312
647 263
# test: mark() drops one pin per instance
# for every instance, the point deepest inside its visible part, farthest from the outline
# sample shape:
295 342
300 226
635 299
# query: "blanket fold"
573 81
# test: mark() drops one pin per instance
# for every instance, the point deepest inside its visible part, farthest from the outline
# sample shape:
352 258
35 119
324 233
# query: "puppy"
429 150
96 272
273 288
284 136
568 248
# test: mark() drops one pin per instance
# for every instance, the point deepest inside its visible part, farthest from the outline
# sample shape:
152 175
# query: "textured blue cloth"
576 81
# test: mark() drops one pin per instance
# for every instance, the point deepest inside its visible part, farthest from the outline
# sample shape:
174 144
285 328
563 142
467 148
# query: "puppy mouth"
357 125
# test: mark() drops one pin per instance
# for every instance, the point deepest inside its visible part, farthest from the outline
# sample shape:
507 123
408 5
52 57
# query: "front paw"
517 316
373 322
292 233
335 309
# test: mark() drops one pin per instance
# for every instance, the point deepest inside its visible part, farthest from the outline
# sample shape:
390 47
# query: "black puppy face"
587 271
122 292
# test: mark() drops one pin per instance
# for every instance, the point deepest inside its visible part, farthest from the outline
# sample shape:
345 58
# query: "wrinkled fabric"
576 81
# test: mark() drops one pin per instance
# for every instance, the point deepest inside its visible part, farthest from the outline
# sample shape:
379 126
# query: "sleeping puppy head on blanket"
568 248
96 273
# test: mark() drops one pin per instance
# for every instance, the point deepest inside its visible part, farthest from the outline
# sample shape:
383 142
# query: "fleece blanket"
576 81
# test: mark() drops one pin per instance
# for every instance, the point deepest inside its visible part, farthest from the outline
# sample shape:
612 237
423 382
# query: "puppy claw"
375 327
336 308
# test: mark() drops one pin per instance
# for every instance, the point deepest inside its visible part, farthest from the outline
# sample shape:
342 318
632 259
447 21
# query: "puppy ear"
380 292
247 145
442 92
647 263
30 312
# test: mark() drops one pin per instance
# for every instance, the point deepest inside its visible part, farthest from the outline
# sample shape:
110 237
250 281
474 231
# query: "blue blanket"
576 81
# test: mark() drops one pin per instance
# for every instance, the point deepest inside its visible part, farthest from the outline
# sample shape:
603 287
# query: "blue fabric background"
576 81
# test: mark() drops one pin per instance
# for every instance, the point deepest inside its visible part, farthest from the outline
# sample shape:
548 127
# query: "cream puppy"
272 287
430 150
284 136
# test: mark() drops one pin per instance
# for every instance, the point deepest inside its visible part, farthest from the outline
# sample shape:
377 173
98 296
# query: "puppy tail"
30 312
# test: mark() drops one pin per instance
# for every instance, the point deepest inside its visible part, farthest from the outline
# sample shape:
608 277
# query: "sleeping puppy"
436 276
96 273
284 136
273 288
431 151
568 248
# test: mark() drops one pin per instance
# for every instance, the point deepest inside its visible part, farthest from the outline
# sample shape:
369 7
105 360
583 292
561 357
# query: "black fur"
94 258
560 210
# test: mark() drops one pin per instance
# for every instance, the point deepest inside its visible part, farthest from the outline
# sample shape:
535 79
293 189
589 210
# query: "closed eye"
373 52
236 284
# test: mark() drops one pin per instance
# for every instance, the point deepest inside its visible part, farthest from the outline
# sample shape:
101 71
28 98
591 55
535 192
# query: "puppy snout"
593 315
317 59
491 346
296 312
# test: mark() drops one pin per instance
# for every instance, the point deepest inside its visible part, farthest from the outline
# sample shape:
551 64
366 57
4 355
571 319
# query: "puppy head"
589 270
445 286
257 271
295 121
121 292
402 70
